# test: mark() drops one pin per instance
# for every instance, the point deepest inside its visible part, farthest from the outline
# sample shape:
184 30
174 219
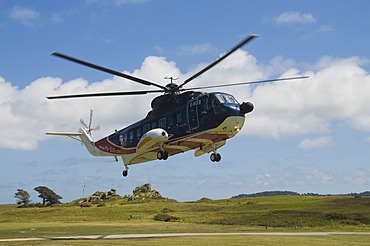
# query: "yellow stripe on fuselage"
145 140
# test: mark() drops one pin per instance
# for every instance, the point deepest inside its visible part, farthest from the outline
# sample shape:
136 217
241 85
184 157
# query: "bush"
165 217
362 219
350 222
86 205
336 216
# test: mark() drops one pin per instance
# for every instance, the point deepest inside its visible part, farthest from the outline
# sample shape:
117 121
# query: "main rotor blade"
244 83
105 94
107 70
245 41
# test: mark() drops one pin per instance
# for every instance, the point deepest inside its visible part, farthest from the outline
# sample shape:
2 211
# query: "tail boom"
85 139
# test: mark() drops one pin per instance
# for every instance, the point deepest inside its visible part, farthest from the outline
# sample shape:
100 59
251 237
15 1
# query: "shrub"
165 217
362 219
86 205
336 216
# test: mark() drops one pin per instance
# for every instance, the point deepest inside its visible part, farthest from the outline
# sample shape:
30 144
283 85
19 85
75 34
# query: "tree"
23 197
48 196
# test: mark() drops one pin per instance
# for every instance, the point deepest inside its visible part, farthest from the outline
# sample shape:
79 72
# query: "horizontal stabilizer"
70 134
83 137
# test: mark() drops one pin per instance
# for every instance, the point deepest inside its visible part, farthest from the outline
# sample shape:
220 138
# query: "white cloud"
358 177
325 28
26 16
294 17
319 180
337 90
321 177
320 142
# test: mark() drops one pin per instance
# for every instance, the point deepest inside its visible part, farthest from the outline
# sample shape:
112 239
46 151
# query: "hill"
292 193
268 193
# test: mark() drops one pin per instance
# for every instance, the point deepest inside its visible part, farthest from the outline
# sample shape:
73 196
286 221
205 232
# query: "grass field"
280 213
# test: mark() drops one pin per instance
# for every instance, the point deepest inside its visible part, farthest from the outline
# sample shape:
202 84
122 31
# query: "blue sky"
306 136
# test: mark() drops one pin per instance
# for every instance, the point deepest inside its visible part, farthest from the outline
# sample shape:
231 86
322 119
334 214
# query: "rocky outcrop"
144 192
100 196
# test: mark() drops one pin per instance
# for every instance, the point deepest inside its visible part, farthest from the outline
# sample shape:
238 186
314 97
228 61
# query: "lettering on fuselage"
195 103
109 149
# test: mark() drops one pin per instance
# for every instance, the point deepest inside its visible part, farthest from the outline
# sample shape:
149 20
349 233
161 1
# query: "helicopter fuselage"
191 120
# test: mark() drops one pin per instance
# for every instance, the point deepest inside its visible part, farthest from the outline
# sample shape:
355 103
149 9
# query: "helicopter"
181 119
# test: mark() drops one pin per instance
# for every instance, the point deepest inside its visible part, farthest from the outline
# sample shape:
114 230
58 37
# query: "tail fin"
89 143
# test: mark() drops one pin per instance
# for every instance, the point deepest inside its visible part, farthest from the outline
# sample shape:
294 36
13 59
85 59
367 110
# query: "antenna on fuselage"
171 78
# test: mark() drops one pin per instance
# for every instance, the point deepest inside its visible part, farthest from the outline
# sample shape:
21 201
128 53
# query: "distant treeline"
292 193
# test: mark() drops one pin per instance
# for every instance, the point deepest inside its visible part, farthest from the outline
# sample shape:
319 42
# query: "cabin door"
193 114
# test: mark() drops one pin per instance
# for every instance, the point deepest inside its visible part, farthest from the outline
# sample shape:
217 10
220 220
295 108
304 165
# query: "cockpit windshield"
226 98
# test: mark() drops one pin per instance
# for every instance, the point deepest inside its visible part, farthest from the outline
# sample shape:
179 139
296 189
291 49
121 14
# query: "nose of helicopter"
246 107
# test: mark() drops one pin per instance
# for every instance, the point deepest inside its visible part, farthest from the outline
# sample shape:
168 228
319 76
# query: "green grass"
282 213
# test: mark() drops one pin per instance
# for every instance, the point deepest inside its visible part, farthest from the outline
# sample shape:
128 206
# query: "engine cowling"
151 139
246 107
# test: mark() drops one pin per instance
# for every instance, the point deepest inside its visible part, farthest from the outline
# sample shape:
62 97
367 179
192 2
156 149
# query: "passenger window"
162 123
154 125
146 128
131 135
178 118
138 132
121 140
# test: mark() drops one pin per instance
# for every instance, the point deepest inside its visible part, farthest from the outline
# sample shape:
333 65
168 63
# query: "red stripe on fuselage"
106 146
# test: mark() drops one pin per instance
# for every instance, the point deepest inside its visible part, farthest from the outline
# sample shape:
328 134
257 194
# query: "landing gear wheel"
218 157
215 157
165 155
125 173
162 155
159 155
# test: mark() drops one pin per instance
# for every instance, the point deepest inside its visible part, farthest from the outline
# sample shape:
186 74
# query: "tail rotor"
88 127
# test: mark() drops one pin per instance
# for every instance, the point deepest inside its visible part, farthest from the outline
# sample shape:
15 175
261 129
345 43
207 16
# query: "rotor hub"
171 88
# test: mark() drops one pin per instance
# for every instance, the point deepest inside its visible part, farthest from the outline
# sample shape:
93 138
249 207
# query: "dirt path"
125 236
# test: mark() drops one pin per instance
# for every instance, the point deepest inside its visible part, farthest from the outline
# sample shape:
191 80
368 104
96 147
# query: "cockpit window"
221 98
231 99
225 98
